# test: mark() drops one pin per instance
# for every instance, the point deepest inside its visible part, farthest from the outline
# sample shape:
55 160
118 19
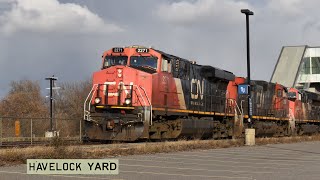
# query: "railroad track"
74 141
27 141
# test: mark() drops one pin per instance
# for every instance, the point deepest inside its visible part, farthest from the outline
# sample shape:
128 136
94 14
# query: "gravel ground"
276 161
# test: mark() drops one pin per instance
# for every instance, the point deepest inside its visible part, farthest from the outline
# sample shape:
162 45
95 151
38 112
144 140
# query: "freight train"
146 94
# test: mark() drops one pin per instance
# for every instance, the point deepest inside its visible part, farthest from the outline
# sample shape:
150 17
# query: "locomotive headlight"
97 100
119 73
127 101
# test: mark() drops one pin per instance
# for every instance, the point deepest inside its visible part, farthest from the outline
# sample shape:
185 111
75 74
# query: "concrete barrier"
250 137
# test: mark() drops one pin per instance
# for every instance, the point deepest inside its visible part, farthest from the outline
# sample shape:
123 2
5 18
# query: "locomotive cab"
292 96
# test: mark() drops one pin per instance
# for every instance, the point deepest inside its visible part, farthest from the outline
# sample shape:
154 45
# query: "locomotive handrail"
85 102
241 105
146 95
241 112
149 103
138 87
87 107
291 114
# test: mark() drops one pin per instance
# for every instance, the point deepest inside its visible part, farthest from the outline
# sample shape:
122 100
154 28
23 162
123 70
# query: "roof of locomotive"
311 95
170 57
207 71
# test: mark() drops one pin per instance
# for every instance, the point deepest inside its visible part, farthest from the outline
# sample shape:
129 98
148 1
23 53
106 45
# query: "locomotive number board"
142 50
117 50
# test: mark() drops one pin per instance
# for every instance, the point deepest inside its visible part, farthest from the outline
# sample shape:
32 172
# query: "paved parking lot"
279 161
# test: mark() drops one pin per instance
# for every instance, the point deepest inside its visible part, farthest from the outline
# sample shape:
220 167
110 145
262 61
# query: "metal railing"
95 88
145 93
86 104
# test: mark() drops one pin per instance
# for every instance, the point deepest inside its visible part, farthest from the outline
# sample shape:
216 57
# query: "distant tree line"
25 100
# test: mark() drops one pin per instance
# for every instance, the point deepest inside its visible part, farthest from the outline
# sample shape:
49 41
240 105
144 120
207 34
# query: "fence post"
0 131
31 131
80 137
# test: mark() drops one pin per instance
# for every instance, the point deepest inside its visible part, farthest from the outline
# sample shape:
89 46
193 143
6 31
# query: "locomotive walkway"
276 161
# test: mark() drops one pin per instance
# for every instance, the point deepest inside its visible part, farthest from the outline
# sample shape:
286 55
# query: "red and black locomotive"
143 93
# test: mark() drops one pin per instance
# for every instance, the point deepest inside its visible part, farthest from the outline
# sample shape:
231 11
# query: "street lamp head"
51 78
246 11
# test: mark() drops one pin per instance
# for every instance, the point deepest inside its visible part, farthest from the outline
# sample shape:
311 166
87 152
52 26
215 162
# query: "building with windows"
298 67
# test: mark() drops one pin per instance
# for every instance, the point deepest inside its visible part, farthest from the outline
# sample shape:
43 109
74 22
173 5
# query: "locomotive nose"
122 86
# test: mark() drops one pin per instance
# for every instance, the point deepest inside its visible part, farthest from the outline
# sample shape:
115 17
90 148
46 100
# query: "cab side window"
166 65
279 93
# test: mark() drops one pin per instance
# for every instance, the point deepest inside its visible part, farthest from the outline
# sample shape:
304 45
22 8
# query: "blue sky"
39 38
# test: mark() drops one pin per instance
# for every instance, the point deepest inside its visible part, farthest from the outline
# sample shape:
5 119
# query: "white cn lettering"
125 88
198 90
109 84
120 86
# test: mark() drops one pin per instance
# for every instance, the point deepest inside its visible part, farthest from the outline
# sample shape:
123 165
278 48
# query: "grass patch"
163 147
282 140
10 156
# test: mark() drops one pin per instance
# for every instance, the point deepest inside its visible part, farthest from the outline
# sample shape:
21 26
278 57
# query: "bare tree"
23 101
69 105
69 101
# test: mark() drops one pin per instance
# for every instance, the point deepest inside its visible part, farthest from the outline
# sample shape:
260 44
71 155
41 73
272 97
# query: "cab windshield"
114 60
144 63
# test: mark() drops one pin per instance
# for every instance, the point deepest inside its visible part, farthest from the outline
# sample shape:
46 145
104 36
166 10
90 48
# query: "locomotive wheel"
280 132
216 130
220 130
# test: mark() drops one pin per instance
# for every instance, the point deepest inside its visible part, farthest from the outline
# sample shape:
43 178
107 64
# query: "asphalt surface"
277 161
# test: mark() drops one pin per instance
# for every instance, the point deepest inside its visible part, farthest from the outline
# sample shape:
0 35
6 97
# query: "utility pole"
51 79
250 132
247 12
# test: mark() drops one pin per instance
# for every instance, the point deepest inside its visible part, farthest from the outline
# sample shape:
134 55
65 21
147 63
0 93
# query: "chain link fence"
19 130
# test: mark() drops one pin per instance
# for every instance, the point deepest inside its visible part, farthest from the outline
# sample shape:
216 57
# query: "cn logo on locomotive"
121 85
197 88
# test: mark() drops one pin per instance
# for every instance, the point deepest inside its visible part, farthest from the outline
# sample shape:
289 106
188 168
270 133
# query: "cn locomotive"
146 94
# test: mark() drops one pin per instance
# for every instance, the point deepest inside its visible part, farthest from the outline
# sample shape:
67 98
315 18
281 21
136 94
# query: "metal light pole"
52 79
247 12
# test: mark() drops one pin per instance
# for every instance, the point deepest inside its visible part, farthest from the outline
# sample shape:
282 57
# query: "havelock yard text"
72 166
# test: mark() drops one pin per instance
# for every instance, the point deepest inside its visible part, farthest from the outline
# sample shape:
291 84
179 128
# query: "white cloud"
52 16
210 32
6 1
298 16
188 13
287 8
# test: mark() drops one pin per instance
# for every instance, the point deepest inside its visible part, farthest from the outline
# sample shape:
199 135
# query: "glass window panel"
144 63
315 65
306 65
114 60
